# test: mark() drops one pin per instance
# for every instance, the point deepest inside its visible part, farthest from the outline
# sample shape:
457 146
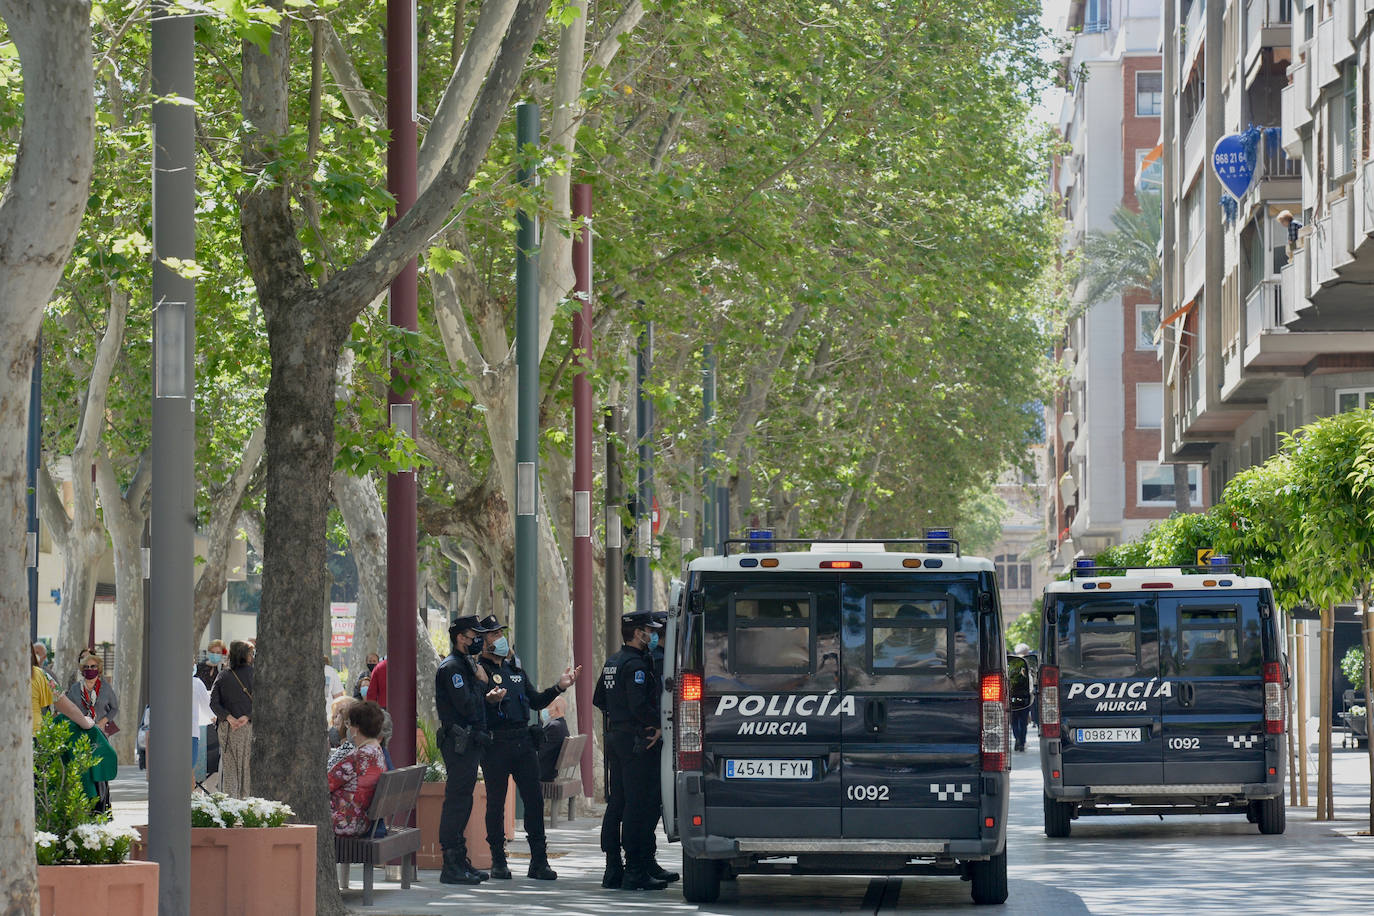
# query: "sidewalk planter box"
429 809
126 889
252 871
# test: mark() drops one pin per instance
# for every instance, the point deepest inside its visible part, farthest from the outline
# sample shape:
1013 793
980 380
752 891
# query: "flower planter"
430 807
252 871
127 889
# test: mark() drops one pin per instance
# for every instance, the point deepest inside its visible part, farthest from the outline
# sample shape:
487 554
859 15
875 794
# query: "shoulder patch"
639 677
457 680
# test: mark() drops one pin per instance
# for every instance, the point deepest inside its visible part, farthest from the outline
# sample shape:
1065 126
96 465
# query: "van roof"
870 558
1161 578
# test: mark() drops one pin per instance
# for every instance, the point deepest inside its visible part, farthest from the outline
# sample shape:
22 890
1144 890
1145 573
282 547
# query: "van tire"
700 879
1272 815
989 879
1058 817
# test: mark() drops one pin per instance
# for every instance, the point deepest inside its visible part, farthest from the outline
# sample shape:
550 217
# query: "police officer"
627 695
461 695
513 752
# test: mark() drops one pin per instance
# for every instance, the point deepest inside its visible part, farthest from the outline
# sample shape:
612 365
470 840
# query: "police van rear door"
771 658
1109 685
1213 648
911 675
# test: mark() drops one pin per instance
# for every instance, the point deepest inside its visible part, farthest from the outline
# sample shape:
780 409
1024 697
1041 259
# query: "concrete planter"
253 871
431 805
127 889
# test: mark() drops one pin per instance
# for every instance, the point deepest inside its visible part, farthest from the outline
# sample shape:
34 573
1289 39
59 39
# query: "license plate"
1106 735
767 769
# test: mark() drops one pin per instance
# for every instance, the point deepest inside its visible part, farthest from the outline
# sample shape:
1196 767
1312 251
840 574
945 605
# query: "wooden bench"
396 795
567 777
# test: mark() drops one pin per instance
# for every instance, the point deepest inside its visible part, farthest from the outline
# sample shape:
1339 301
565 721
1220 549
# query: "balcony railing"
1275 163
1264 309
1264 14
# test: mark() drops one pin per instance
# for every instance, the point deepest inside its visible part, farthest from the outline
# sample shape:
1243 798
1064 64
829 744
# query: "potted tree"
1356 716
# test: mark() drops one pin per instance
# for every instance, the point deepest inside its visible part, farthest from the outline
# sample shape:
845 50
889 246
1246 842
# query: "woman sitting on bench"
354 778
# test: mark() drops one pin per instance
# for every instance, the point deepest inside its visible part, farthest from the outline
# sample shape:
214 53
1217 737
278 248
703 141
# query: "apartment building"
1260 336
1019 554
1104 436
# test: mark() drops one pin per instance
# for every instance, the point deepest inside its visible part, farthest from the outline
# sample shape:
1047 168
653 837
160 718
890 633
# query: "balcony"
1267 24
1194 269
1193 142
1194 29
1296 112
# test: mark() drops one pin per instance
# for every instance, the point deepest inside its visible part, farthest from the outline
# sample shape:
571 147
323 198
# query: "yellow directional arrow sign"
1204 555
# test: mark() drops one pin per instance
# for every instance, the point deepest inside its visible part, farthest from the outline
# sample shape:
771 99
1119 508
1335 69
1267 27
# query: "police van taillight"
1049 702
994 743
687 721
1273 699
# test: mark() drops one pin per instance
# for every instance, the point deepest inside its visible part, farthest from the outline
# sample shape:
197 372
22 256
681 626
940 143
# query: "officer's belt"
629 728
510 732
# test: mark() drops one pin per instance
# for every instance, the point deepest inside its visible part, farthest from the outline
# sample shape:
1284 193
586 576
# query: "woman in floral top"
354 778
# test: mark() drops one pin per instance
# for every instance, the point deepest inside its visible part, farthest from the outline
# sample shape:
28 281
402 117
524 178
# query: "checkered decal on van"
1239 741
949 791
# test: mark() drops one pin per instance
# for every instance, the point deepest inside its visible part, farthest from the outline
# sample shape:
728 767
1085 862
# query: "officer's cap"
641 619
467 622
489 624
661 616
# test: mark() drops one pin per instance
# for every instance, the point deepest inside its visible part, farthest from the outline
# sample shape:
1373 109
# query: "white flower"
45 839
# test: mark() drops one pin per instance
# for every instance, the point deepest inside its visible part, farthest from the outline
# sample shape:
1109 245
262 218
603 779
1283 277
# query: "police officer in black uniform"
513 752
462 695
627 695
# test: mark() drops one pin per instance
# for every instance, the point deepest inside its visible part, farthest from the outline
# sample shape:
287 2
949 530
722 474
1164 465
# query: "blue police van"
1162 691
838 708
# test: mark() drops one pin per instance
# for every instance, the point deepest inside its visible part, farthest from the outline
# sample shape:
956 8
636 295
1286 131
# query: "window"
909 633
1354 399
1146 324
1097 16
1149 405
1220 639
771 634
1192 213
1154 484
1012 575
1100 638
1343 135
1149 94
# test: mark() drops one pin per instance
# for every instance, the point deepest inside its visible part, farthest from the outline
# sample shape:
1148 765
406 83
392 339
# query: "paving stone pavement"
1122 865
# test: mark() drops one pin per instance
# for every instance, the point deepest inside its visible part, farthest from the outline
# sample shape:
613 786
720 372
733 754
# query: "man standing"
460 688
513 753
627 695
376 690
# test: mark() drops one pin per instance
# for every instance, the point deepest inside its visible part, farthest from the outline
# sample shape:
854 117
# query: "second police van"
837 708
1162 692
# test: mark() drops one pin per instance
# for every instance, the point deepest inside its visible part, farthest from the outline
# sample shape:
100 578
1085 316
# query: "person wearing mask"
232 701
96 697
627 695
555 733
461 697
362 687
338 719
512 753
353 779
216 654
42 695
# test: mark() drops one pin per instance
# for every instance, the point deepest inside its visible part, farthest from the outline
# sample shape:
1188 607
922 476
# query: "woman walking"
96 697
232 701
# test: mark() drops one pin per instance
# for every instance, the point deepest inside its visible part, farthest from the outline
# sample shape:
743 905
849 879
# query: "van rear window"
909 634
1102 637
772 634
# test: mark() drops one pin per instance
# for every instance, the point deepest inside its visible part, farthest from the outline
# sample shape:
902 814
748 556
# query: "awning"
1177 315
1150 174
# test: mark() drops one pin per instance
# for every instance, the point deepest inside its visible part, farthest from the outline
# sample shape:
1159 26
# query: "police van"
837 708
1162 692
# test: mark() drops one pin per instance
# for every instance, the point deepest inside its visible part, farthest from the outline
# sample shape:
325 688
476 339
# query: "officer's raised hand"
569 677
496 695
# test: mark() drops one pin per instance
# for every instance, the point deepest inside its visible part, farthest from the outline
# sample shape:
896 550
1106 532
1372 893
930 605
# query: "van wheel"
1058 817
700 879
989 879
1272 816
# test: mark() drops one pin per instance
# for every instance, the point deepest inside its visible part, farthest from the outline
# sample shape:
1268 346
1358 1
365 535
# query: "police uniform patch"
458 681
639 677
516 678
496 678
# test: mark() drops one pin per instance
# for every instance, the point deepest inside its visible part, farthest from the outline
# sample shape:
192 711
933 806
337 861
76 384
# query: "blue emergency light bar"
1221 561
1083 563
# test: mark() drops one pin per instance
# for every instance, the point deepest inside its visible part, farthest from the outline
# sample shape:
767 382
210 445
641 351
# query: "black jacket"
521 695
459 696
627 693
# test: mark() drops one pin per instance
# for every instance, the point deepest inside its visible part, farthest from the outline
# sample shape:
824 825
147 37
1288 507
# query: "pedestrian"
353 779
556 732
232 701
361 688
96 697
461 697
40 653
333 685
202 716
212 660
42 695
376 690
1019 690
513 753
627 695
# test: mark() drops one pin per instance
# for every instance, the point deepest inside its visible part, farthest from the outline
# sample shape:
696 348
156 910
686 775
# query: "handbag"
109 728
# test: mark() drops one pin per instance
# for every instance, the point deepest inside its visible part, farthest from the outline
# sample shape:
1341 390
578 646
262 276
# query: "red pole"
584 631
402 606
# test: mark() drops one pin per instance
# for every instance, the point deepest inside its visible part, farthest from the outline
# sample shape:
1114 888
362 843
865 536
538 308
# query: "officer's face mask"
475 647
653 641
501 647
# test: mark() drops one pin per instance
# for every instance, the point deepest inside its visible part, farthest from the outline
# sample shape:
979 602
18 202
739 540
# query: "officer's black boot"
499 869
615 870
658 872
539 861
637 878
457 869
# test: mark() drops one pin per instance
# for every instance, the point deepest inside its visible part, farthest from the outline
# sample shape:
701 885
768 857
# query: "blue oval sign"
1232 167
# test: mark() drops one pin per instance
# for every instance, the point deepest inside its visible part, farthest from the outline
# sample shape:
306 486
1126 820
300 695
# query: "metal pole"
644 419
708 449
584 624
35 455
172 559
723 516
401 603
527 420
615 546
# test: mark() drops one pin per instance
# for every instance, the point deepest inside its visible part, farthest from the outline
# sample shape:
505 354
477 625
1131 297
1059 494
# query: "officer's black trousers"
634 780
513 756
462 779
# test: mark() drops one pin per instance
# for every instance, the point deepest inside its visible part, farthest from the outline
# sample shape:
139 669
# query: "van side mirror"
698 602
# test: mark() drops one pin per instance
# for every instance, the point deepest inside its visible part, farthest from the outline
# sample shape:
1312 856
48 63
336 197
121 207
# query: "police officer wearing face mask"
627 695
462 697
513 752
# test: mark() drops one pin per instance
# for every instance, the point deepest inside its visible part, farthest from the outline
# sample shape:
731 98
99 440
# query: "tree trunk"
80 540
225 509
40 213
361 509
1325 794
1368 633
